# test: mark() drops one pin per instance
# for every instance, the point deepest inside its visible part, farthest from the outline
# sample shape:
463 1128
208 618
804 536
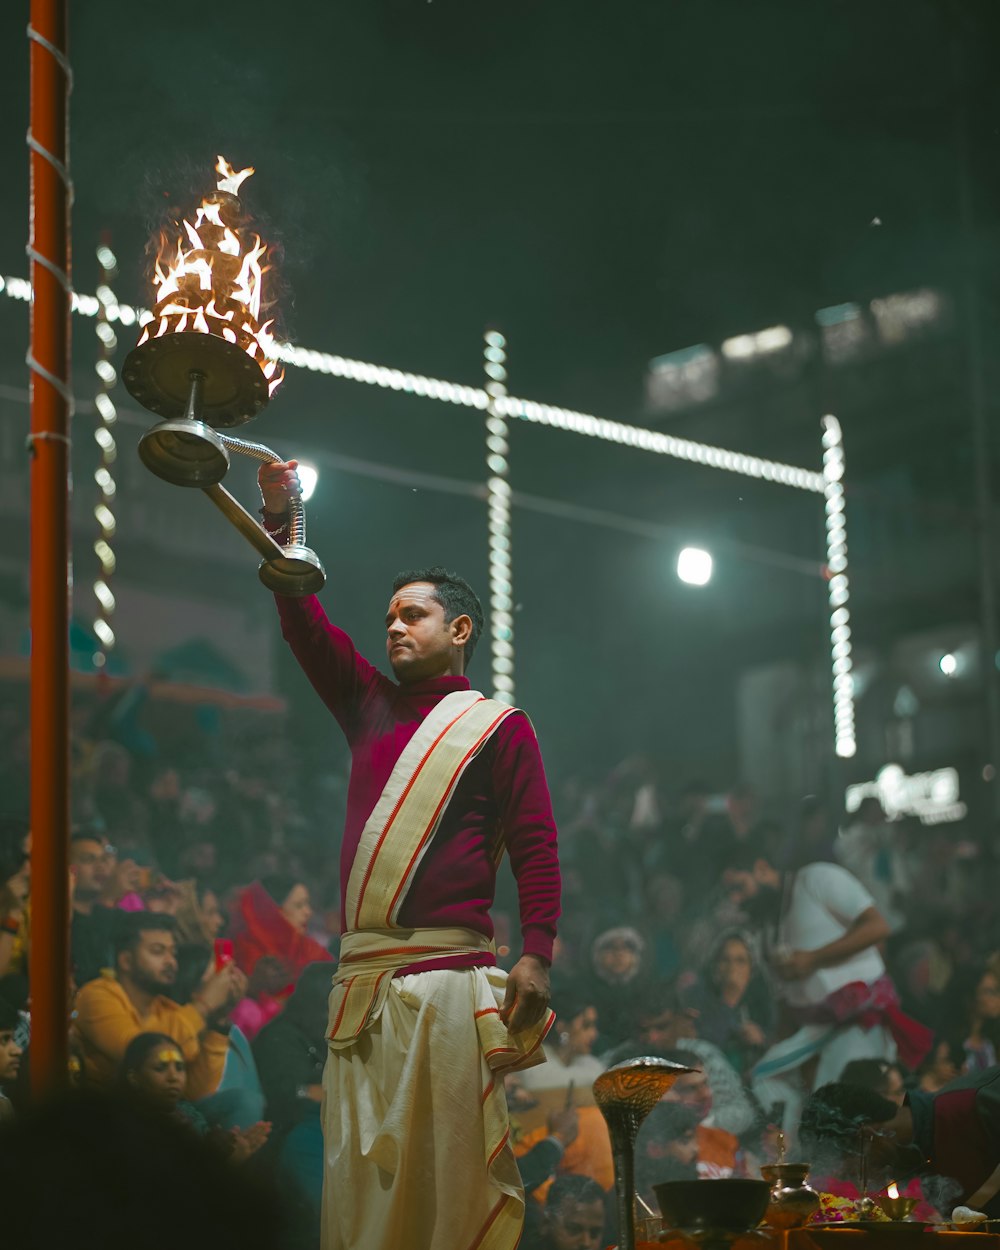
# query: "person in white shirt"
824 931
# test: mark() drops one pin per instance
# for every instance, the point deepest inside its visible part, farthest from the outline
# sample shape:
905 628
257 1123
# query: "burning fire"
209 279
893 1190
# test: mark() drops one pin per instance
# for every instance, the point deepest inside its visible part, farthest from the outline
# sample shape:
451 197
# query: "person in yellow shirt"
110 1012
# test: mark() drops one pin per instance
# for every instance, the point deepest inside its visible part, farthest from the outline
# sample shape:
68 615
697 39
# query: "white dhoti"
415 1124
414 1109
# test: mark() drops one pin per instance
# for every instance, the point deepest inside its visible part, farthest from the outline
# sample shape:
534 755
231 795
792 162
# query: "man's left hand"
527 994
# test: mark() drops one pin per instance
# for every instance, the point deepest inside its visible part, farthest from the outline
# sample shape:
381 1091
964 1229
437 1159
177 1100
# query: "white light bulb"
308 477
694 566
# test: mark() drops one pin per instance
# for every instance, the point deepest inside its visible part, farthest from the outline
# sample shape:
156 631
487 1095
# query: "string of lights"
500 406
845 742
498 506
508 406
107 415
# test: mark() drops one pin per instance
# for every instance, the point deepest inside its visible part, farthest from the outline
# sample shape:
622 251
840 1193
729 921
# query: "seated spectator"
945 1062
879 1075
199 916
15 906
91 942
569 1048
666 1148
291 1051
661 1024
154 1068
270 918
266 994
717 1148
573 1217
983 1040
539 1162
618 983
110 1011
663 1027
10 1055
733 1002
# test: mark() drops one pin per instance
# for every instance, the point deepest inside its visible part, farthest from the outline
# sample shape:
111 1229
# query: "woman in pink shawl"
271 946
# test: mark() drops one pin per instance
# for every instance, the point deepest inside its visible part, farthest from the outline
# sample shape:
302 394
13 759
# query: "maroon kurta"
502 794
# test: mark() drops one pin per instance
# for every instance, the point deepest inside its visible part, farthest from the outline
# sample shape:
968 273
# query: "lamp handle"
264 454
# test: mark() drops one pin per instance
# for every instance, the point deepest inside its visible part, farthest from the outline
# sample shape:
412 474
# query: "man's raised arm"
340 676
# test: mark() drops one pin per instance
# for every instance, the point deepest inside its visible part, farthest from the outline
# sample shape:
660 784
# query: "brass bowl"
897 1209
729 1204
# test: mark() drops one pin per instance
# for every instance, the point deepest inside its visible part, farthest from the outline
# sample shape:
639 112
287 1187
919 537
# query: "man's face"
618 959
664 1031
691 1089
89 867
419 642
577 1225
682 1149
153 963
163 1075
10 1057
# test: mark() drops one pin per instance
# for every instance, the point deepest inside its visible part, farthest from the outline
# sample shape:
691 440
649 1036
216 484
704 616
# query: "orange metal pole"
49 361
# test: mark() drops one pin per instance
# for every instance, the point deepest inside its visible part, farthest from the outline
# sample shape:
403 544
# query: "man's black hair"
835 1114
454 594
9 1016
573 1188
868 1073
86 834
570 999
131 925
137 1050
661 997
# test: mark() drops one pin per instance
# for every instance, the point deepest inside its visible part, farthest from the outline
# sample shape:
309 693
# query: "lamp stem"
193 410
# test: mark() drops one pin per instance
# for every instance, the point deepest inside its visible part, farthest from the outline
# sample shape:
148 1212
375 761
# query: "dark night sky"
604 182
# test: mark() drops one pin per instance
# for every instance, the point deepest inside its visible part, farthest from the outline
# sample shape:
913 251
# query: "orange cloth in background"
589 1154
106 1021
716 1152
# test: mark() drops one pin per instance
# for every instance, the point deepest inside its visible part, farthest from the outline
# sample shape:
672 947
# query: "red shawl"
259 928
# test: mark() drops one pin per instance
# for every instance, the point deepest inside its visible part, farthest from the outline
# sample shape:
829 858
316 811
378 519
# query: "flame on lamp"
209 277
893 1190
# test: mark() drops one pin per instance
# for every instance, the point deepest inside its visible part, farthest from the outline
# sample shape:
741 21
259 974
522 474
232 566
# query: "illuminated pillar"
498 503
107 415
845 742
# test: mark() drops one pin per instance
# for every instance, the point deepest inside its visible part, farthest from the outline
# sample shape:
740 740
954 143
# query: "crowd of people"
770 957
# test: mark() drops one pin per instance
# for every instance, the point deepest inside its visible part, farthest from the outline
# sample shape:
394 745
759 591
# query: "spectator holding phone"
112 1011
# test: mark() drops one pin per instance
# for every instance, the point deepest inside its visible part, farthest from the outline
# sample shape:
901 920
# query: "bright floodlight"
948 664
308 477
694 566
